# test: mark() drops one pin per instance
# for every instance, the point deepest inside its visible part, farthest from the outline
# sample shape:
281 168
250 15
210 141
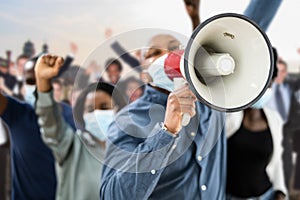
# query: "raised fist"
46 68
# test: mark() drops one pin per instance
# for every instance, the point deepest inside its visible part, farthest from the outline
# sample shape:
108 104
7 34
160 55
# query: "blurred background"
89 23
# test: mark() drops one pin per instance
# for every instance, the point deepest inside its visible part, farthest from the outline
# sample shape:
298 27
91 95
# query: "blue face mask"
263 100
158 75
98 121
29 94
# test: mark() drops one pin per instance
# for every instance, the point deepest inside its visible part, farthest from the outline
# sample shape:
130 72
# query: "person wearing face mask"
254 165
32 163
150 155
77 155
29 87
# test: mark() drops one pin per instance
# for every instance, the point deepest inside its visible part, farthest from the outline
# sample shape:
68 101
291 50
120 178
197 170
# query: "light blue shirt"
281 100
144 161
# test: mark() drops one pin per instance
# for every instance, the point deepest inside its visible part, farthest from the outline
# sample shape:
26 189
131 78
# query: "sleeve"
275 167
125 56
133 167
68 114
56 133
12 113
262 11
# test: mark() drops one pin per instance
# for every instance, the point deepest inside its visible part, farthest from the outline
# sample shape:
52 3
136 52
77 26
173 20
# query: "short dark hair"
113 61
22 56
280 61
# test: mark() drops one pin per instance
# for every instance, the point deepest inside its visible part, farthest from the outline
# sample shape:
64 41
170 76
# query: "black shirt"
9 80
248 156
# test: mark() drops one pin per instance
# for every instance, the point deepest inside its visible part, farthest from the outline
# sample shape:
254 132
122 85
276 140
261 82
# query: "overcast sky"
58 22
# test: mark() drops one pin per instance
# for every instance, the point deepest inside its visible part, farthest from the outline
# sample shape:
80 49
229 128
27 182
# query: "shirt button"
174 146
203 187
153 171
193 134
199 158
41 122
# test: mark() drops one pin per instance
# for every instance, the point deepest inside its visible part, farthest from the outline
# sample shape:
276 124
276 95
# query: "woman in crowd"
254 163
78 155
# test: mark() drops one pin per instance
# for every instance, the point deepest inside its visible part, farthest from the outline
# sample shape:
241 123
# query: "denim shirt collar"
153 95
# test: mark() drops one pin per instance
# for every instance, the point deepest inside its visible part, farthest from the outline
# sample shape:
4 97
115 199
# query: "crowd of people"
68 133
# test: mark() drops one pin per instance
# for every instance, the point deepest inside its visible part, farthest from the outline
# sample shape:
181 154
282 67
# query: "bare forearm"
192 8
43 85
195 21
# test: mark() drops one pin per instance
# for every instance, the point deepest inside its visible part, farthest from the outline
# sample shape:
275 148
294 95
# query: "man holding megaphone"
153 152
151 155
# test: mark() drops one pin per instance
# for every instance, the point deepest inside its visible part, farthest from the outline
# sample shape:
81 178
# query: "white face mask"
263 100
158 75
29 94
98 121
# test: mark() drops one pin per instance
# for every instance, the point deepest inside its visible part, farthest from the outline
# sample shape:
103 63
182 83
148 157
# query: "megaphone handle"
178 83
185 119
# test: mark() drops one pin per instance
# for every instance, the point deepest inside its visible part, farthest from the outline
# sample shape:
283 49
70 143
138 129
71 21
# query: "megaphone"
228 62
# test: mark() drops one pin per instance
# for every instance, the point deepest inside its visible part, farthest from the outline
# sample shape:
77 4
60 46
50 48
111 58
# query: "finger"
188 109
183 90
186 101
186 95
46 59
182 105
60 61
42 58
52 60
58 64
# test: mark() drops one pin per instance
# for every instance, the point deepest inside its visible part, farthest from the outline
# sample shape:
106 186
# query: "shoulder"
273 115
17 107
17 112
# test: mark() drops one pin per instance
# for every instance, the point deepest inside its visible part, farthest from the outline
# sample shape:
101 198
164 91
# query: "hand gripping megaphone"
228 63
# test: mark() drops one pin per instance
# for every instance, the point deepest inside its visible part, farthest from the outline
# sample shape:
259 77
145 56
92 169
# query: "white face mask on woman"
98 121
263 100
29 94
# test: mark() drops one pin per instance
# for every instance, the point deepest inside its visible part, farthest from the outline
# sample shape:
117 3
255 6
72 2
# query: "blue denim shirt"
144 161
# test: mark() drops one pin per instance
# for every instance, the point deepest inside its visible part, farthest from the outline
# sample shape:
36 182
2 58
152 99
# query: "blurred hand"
279 196
73 48
108 33
47 67
179 102
192 7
